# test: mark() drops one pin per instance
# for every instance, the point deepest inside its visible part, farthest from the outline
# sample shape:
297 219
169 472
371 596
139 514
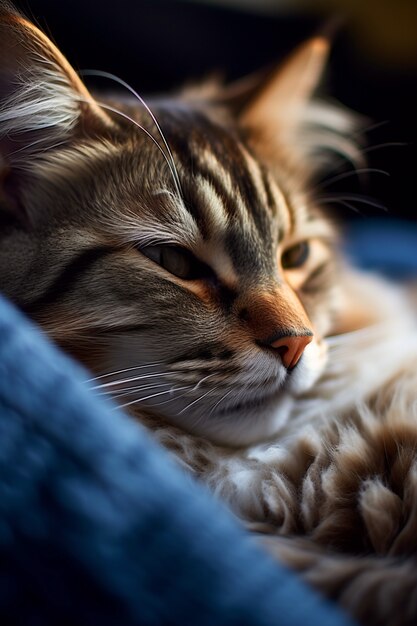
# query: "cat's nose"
291 348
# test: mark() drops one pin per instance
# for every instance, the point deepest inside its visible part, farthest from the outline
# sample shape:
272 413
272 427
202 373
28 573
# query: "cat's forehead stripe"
267 185
208 161
218 209
231 201
285 206
213 203
215 155
256 175
246 191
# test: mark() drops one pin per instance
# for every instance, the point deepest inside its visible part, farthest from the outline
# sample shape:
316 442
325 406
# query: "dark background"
158 44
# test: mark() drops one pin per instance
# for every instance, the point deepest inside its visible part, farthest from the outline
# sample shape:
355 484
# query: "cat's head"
186 262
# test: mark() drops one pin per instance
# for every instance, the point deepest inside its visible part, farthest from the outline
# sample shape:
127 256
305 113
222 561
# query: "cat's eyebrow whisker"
107 107
126 369
363 151
352 197
343 175
386 144
349 206
116 79
371 127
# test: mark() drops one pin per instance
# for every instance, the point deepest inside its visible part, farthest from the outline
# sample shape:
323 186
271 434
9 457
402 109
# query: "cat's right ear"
43 102
286 120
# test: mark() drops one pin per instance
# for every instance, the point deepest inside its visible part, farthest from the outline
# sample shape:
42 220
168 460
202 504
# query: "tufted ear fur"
287 121
43 103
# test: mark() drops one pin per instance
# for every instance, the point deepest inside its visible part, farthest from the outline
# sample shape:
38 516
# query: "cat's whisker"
352 197
154 395
128 391
363 152
126 369
221 400
349 206
343 175
132 379
122 371
172 399
150 112
387 144
203 379
197 400
370 128
190 387
107 107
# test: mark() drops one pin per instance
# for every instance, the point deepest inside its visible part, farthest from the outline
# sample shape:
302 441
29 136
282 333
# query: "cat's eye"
178 261
295 256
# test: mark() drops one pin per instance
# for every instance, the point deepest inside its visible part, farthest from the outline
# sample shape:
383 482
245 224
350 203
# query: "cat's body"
202 285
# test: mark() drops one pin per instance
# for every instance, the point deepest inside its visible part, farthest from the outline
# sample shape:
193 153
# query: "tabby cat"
175 249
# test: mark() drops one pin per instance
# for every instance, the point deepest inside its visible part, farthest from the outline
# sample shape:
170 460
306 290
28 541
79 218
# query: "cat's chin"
247 425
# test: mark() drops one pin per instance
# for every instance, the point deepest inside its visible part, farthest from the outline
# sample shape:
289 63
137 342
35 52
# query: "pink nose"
291 349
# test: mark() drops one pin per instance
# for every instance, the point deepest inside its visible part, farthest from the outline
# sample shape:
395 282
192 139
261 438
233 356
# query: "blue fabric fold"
98 526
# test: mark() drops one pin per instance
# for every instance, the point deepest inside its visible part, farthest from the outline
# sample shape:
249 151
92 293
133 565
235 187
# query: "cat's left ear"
41 96
43 102
287 120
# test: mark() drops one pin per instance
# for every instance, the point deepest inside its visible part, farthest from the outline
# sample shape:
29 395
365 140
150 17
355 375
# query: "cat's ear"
43 102
286 118
290 88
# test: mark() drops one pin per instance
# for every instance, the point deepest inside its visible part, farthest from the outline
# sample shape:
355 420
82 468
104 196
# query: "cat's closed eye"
178 261
303 261
296 255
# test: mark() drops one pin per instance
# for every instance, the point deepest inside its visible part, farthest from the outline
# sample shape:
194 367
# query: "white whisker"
221 400
132 379
172 399
126 369
129 390
107 107
203 379
154 395
197 400
142 101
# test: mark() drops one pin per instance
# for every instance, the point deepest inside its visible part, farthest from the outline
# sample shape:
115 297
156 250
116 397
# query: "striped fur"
170 273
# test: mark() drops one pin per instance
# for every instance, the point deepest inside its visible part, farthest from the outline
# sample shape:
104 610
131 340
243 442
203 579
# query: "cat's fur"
192 339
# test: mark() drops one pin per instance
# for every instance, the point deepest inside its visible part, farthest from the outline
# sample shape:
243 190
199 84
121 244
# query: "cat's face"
199 283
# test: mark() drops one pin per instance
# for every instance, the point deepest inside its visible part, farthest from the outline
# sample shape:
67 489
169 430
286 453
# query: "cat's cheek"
309 369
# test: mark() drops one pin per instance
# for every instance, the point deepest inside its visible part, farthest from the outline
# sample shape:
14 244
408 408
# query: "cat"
177 250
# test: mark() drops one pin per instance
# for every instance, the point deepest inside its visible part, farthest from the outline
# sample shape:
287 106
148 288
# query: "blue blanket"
97 525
